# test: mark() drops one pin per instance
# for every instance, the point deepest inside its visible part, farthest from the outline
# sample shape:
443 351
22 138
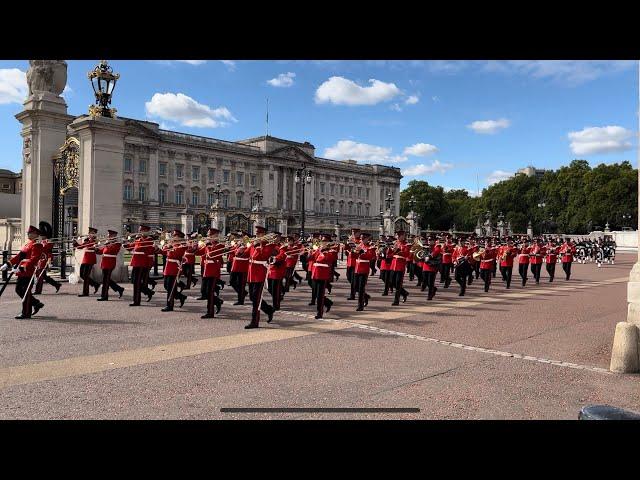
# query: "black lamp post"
256 202
381 222
103 81
625 217
412 203
303 176
542 205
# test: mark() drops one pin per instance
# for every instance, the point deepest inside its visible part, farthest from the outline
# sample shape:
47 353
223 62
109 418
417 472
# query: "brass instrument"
479 255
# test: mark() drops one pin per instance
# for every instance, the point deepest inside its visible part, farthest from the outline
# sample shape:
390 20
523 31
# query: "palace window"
127 191
350 208
212 175
321 187
333 188
254 179
359 209
368 193
225 177
351 191
179 197
142 192
127 164
143 166
195 174
179 171
162 169
239 196
368 210
195 197
332 206
211 197
321 206
240 179
341 189
359 192
162 196
225 200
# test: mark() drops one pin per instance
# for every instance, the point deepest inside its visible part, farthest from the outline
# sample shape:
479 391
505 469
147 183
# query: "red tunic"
211 259
400 259
27 258
488 258
351 256
323 264
312 258
88 245
459 252
174 260
435 252
240 259
139 251
258 258
292 258
278 269
552 254
47 247
190 252
567 250
363 260
523 258
109 255
506 255
387 259
472 249
447 253
537 255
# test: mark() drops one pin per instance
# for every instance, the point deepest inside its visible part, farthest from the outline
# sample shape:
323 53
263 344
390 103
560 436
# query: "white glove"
5 267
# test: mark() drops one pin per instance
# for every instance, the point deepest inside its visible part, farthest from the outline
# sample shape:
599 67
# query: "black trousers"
289 279
360 281
551 270
238 280
397 278
351 280
275 289
536 268
255 294
187 271
566 266
429 281
319 287
445 272
411 270
29 299
85 275
476 268
210 286
146 281
486 276
172 293
507 273
417 270
523 269
495 269
137 275
108 283
387 276
463 270
45 278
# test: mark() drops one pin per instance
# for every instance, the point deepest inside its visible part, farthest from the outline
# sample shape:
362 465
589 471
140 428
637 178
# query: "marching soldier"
25 264
386 258
276 273
567 250
47 247
140 249
259 254
460 258
239 270
487 260
365 253
430 268
211 257
321 274
109 254
551 259
401 253
523 261
506 254
447 262
189 263
536 255
474 266
290 262
88 261
175 257
351 260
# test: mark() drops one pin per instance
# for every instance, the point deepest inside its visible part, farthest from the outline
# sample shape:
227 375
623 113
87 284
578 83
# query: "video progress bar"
320 410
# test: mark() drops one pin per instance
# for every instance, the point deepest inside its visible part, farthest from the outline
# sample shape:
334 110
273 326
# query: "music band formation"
271 259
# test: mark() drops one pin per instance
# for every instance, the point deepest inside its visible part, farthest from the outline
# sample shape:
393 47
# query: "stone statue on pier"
47 76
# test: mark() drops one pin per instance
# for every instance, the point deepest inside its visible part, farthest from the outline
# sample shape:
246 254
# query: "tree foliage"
576 199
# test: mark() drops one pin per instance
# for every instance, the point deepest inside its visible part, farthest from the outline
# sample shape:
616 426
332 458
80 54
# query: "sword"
6 283
175 282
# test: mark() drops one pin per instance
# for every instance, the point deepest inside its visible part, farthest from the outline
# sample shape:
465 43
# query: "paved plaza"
538 352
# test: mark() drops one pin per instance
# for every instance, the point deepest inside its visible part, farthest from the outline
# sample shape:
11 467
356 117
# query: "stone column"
187 223
100 172
530 230
44 130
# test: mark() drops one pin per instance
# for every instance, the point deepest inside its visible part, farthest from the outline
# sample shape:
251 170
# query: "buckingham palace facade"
169 175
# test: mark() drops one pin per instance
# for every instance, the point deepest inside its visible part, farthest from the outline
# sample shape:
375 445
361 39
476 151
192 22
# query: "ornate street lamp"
625 217
303 176
103 81
382 221
257 201
412 203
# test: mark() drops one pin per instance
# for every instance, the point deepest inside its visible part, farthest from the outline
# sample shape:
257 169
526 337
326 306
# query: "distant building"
10 182
532 172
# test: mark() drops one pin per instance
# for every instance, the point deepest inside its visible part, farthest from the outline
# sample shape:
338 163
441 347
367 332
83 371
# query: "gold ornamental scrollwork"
69 164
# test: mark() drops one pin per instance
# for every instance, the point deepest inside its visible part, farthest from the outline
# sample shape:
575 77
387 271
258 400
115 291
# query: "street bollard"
606 412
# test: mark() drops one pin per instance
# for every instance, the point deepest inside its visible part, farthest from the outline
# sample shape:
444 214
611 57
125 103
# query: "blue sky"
447 122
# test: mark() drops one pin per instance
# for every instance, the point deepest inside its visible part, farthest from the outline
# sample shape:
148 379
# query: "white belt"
320 264
173 260
189 254
108 255
398 256
362 261
240 258
88 249
291 256
264 263
138 253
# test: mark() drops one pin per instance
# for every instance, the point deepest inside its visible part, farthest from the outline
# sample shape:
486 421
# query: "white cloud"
186 111
593 140
412 100
423 169
420 150
282 80
498 176
193 62
67 92
231 65
342 91
362 152
489 126
435 98
567 72
396 107
13 86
